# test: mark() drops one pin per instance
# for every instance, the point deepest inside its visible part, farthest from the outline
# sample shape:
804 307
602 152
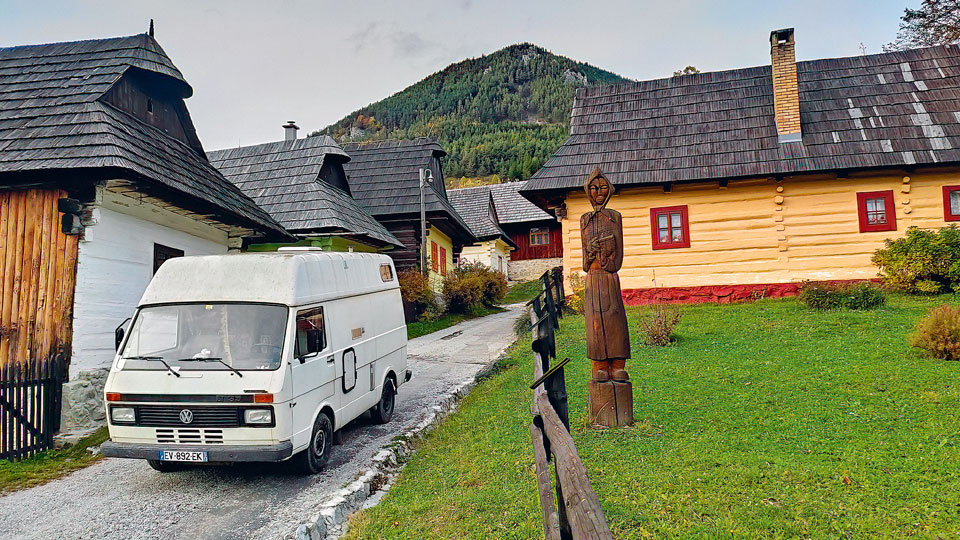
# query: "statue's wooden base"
611 403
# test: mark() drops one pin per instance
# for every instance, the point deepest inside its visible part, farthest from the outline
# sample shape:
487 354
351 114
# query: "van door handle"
331 358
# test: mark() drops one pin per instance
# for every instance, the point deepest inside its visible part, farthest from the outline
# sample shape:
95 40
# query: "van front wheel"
313 459
383 411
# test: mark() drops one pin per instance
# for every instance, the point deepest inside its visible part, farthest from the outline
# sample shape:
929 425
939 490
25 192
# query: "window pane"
664 235
675 220
955 202
310 335
662 221
871 205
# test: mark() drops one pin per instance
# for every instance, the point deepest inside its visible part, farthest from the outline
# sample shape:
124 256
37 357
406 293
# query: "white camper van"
256 357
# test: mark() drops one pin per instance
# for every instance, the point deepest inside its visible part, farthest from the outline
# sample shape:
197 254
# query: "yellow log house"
493 246
746 182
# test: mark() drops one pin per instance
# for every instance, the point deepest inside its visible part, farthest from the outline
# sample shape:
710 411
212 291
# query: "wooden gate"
37 276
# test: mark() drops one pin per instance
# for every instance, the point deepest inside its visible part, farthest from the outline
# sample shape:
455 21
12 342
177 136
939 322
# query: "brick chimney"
786 96
290 130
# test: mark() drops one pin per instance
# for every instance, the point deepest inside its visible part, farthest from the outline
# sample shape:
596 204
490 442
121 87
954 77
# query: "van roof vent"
298 249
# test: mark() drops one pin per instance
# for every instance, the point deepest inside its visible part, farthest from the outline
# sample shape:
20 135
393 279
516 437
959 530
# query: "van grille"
190 436
203 416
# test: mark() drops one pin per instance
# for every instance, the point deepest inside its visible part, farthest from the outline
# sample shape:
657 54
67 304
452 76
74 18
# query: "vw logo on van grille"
186 416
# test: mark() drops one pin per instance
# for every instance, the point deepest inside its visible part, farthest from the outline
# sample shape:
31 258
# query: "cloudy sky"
254 65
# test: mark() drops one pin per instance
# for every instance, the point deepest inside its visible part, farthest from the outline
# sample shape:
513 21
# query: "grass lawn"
522 292
767 420
422 328
49 465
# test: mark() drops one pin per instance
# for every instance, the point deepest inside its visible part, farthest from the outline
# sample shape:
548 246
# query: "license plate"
177 455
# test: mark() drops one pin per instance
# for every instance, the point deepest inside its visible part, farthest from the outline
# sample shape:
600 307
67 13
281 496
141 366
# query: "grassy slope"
522 292
766 421
49 465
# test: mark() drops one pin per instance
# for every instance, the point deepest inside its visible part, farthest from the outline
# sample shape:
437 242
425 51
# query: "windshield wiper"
212 359
160 358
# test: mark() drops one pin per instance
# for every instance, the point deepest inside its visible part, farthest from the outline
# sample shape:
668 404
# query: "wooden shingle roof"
384 177
53 121
863 112
476 207
283 178
513 207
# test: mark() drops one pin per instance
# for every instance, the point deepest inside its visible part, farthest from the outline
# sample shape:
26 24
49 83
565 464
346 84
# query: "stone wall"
82 408
529 269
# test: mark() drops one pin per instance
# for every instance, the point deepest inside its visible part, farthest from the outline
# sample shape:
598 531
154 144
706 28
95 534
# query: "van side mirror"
118 334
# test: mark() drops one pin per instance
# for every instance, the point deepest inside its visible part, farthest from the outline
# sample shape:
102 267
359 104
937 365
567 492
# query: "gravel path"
125 499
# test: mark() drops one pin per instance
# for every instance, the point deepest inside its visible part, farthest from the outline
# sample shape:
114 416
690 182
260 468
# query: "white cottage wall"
115 264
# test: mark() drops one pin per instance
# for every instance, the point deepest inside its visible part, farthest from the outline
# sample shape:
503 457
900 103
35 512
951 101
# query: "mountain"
501 114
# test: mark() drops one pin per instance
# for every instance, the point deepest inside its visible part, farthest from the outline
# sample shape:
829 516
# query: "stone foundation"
529 269
83 409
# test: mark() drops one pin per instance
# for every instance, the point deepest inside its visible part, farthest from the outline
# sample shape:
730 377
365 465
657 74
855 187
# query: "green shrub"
658 325
418 296
470 286
827 295
939 333
577 287
922 261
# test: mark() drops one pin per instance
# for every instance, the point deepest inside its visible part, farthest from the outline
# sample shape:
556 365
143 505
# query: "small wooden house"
102 178
384 177
746 182
301 183
493 244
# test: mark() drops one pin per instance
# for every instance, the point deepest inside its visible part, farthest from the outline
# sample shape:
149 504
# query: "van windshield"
206 337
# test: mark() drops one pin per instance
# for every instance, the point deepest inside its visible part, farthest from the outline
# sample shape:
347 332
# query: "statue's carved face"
599 192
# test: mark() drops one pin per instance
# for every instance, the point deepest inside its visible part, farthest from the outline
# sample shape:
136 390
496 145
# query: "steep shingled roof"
476 207
513 207
883 110
52 119
384 177
283 178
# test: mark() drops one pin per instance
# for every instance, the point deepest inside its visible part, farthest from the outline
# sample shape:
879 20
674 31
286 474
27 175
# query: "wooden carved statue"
608 341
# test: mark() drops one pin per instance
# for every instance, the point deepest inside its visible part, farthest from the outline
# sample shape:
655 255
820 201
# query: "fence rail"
30 399
576 513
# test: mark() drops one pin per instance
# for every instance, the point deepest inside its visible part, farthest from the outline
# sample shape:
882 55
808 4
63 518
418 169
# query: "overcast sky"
255 65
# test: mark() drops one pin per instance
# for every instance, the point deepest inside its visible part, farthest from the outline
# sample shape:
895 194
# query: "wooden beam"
551 521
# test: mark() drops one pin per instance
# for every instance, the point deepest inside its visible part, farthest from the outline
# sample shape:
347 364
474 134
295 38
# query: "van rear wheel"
315 457
383 411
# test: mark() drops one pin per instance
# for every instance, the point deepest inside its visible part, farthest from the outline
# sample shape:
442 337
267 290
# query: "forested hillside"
501 114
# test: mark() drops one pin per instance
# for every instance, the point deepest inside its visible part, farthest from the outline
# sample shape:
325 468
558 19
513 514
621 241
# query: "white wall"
115 264
493 253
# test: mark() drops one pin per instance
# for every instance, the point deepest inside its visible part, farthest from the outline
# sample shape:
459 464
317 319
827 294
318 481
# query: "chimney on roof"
786 95
290 130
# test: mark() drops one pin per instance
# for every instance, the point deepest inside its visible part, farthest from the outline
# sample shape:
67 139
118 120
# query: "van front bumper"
224 453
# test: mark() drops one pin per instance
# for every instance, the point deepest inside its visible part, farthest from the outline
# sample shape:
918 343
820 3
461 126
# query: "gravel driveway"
125 499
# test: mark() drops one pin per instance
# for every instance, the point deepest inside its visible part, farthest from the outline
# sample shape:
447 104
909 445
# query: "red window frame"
684 241
889 209
434 262
443 261
947 214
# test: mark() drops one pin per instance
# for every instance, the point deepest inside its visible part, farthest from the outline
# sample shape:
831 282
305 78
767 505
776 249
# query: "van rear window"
311 338
386 273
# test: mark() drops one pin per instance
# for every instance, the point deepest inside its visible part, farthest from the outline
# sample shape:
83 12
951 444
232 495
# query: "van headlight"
123 415
258 416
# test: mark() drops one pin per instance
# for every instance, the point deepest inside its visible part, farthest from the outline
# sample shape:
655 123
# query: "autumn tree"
936 22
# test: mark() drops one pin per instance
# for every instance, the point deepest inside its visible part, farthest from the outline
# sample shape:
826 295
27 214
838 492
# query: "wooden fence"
30 397
578 515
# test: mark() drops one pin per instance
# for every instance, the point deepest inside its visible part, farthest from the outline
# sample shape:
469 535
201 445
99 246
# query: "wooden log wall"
37 276
760 231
